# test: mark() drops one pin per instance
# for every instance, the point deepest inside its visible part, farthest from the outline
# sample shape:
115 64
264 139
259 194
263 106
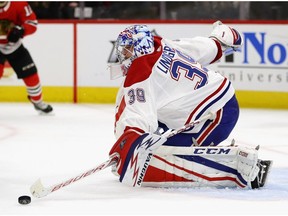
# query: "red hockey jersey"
21 14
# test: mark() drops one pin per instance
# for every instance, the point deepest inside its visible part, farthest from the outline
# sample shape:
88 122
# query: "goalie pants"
21 62
213 131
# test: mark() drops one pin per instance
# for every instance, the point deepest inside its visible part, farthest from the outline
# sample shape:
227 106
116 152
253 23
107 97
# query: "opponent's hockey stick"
39 191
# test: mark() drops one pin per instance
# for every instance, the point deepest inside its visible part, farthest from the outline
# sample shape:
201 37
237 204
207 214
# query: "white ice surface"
79 136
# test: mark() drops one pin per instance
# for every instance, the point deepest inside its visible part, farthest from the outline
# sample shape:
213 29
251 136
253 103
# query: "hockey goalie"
164 137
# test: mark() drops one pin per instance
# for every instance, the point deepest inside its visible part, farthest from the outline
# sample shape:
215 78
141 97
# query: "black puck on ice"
24 200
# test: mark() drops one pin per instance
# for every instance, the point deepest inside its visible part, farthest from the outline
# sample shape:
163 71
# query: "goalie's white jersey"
172 86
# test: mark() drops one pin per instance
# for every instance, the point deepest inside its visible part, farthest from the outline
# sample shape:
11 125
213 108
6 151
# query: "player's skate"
41 107
261 178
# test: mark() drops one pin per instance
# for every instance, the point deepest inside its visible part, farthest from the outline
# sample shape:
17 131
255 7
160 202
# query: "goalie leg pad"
191 171
202 166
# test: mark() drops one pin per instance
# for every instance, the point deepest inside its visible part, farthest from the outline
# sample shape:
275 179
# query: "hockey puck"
24 200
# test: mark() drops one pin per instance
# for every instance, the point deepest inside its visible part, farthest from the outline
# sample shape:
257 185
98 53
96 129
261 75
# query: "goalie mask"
134 42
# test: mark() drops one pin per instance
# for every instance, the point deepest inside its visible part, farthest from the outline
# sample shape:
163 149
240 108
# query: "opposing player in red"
22 22
166 86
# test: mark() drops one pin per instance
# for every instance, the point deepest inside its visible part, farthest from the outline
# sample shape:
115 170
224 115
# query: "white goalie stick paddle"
39 191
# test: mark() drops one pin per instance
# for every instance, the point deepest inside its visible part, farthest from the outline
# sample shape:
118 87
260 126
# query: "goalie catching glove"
228 37
135 152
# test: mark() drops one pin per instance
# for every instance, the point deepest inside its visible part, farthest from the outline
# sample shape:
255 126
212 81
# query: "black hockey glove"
15 34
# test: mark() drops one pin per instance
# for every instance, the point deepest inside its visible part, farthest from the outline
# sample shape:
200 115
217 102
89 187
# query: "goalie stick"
38 190
172 132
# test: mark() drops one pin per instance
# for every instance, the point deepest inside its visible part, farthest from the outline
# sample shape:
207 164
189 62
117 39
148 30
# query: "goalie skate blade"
38 190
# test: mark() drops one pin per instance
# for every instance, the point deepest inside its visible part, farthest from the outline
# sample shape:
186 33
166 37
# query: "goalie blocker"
146 161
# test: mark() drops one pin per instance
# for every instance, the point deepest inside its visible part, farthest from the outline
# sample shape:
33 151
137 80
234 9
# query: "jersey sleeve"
202 49
27 17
